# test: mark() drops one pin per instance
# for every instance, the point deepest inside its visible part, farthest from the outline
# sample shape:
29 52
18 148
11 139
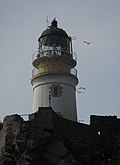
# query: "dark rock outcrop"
48 139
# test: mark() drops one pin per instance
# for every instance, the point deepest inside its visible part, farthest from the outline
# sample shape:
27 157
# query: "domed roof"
53 30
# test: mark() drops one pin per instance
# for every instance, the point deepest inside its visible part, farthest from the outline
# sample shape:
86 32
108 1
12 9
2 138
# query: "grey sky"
21 23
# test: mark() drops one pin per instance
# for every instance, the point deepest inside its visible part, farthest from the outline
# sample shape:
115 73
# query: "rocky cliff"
48 139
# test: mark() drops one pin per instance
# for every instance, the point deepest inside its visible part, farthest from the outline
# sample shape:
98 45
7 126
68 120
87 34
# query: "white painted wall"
65 104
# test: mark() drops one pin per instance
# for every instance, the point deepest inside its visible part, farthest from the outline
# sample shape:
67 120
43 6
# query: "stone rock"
48 139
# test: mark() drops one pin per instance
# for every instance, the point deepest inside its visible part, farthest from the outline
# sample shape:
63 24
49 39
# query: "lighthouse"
54 77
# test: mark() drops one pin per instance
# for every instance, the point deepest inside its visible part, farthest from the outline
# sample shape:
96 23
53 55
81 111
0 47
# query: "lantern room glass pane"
54 45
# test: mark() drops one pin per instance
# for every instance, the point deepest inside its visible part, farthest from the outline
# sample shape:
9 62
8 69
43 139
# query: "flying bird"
86 42
81 90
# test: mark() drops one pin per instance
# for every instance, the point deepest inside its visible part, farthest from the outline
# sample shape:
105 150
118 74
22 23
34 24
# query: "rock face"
48 139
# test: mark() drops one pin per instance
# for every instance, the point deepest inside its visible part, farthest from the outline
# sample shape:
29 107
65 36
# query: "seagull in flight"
81 90
86 42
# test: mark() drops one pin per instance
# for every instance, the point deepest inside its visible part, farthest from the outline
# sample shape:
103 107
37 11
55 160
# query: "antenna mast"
47 21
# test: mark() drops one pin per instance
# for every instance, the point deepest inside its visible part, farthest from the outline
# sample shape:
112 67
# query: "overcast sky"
98 65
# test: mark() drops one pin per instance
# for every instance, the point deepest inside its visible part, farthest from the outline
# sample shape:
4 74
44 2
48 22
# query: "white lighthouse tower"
54 77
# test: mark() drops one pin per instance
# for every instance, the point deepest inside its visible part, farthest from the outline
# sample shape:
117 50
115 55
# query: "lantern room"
55 42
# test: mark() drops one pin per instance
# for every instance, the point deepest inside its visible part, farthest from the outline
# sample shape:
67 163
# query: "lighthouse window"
56 90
